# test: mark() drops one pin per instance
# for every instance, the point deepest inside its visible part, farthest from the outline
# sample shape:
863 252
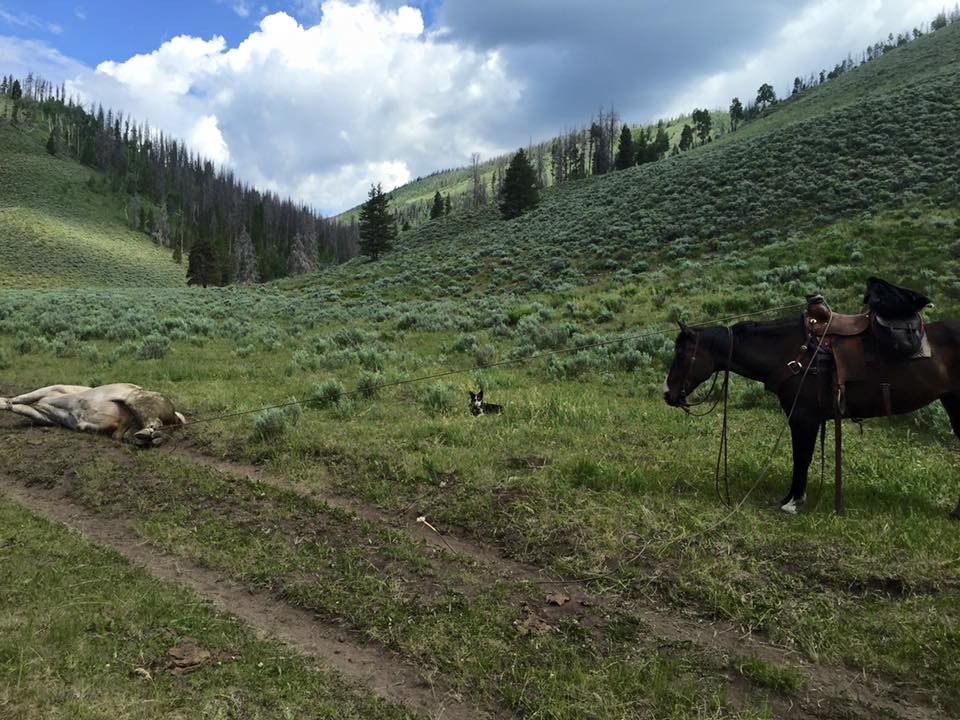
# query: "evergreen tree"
703 123
245 258
15 92
302 257
686 138
378 227
641 147
520 192
736 113
161 228
625 151
661 143
202 263
447 205
52 144
766 96
437 209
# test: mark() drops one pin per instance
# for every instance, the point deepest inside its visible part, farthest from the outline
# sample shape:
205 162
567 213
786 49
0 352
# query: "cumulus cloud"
818 37
319 112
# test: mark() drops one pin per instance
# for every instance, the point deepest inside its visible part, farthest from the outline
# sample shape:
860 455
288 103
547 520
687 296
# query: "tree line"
231 231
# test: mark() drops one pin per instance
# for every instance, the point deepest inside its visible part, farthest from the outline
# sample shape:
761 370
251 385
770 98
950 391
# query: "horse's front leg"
803 431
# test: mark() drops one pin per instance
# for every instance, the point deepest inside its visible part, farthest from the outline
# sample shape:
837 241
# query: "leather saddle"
851 339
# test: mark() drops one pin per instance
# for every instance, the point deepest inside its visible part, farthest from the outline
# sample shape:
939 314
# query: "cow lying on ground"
126 411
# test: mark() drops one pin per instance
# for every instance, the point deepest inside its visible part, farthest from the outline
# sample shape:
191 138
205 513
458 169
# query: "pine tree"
201 264
378 227
736 113
766 96
302 257
15 92
437 209
686 138
161 228
703 123
52 144
520 192
625 151
447 205
245 257
661 143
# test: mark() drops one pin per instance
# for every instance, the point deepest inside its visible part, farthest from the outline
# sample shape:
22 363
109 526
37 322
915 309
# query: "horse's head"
692 364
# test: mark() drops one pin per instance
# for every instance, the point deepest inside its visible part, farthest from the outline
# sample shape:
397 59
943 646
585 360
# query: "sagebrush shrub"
327 393
153 347
369 383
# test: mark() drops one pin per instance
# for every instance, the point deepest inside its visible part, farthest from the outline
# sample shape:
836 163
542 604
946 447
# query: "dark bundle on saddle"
892 302
896 310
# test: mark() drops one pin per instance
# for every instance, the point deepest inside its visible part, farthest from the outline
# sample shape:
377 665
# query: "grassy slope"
458 181
56 231
816 196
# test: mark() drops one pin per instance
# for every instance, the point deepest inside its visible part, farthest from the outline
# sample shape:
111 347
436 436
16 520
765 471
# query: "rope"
463 371
734 510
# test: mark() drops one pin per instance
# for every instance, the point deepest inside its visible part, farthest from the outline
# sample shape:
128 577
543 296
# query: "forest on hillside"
182 200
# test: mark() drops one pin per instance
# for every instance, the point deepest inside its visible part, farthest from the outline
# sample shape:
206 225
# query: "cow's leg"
44 393
28 411
59 415
803 431
951 403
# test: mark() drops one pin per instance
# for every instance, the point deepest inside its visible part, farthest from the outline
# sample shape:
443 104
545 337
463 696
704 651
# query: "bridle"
683 404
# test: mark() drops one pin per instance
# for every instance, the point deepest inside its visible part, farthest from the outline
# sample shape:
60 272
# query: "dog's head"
476 403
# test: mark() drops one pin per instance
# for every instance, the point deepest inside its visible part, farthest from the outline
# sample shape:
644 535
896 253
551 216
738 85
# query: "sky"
317 99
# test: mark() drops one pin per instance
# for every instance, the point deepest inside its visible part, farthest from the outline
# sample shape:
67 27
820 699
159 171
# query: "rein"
723 450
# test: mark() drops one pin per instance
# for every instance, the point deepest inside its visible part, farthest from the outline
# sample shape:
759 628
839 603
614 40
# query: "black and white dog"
479 407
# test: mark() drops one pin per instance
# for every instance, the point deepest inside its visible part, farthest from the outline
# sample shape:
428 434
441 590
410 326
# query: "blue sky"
95 30
319 98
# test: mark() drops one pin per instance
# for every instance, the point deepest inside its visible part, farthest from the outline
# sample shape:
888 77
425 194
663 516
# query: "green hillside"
59 228
856 145
415 199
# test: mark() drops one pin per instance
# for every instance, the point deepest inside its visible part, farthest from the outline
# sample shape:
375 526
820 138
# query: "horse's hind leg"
951 403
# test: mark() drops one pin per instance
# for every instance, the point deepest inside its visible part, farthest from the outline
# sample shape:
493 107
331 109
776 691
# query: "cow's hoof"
149 437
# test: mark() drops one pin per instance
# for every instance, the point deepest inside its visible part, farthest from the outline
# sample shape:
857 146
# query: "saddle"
890 324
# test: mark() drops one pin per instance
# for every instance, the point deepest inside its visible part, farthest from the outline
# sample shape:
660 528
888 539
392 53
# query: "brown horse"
760 350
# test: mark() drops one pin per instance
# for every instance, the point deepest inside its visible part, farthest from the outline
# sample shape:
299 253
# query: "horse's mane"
760 327
716 338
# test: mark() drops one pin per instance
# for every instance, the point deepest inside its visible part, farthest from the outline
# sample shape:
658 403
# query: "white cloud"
819 37
318 112
207 139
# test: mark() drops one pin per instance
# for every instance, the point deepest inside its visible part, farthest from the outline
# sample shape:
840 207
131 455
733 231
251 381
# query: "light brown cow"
127 411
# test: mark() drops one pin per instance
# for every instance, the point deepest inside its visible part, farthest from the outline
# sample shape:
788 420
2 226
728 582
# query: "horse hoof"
789 507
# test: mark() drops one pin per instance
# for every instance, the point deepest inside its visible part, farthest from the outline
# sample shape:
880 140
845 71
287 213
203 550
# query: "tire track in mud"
830 691
361 664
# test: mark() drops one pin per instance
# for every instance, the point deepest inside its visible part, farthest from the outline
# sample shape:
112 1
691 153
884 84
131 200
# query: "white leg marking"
789 507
